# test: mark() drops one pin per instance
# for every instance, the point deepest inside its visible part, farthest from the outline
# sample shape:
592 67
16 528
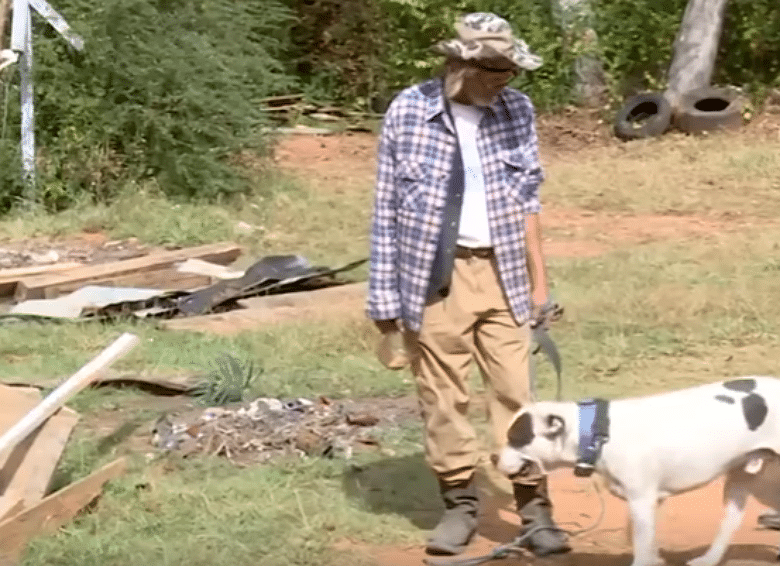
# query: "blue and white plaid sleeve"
535 175
384 301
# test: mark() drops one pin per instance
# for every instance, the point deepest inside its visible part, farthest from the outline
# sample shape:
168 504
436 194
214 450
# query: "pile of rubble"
268 428
125 279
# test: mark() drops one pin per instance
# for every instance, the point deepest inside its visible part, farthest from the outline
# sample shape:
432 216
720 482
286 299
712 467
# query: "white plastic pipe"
65 391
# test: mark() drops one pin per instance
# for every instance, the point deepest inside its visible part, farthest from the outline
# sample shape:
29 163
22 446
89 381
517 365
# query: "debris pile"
161 284
268 428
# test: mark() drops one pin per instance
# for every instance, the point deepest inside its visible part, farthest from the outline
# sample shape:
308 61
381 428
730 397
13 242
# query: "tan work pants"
472 323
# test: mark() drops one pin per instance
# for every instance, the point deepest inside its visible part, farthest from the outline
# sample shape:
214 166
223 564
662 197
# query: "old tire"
643 116
708 109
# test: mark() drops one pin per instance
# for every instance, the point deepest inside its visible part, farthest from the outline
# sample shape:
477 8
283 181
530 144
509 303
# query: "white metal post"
28 112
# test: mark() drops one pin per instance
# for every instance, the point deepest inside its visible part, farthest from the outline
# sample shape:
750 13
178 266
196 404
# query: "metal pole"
28 113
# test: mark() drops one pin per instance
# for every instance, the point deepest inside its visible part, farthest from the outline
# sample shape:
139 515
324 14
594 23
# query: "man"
456 260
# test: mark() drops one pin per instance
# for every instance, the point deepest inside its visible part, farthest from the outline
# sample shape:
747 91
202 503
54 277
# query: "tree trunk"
5 12
575 17
695 48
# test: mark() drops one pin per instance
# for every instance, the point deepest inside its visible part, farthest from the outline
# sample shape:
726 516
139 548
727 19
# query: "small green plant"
226 381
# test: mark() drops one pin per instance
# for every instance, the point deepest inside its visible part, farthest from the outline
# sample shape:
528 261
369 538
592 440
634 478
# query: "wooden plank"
9 277
57 398
46 286
169 279
160 385
309 306
30 478
54 511
15 403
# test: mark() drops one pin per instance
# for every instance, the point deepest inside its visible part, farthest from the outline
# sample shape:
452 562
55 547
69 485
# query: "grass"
641 318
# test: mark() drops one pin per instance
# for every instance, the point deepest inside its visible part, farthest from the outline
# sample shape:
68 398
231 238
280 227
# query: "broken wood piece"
10 277
15 402
172 385
50 285
54 511
68 389
209 269
168 279
27 473
330 302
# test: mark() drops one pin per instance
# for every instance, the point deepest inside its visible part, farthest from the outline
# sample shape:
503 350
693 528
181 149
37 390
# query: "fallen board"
26 475
166 386
10 277
50 286
331 302
53 511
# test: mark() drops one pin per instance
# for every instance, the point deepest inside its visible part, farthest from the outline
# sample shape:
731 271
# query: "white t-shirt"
474 229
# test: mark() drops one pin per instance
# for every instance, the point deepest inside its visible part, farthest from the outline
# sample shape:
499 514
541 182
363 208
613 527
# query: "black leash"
550 313
499 552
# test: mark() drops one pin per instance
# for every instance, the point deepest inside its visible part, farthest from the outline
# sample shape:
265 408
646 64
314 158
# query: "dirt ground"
687 523
329 160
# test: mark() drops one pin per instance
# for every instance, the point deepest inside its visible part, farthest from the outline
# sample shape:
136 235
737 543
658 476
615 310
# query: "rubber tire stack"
708 109
643 115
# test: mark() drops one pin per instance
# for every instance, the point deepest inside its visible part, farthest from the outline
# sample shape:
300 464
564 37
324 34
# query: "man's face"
487 78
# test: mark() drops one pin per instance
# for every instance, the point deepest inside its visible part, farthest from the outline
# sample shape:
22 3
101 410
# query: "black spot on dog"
521 432
725 399
745 385
754 408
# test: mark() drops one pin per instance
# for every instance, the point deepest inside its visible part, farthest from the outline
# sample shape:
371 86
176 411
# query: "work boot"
535 510
459 522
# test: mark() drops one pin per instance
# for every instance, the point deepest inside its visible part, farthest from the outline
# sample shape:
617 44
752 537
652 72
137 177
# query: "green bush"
164 88
636 40
337 48
750 45
415 26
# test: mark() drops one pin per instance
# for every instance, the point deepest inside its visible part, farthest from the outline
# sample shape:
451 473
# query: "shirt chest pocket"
517 168
419 186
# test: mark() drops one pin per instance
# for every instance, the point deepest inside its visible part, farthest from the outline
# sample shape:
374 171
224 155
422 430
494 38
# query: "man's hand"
391 349
543 315
539 298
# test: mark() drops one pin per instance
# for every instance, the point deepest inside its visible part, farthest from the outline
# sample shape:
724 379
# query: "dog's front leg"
643 519
735 494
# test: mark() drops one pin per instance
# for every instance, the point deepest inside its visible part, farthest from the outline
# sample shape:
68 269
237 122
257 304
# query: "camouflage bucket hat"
482 35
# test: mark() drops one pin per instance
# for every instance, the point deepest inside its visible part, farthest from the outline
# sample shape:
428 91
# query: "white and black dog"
666 444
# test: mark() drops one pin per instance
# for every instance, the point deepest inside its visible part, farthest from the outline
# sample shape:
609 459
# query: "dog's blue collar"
594 433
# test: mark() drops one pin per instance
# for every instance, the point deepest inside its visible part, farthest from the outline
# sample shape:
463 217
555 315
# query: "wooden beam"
30 477
168 279
54 511
51 286
57 398
329 303
10 277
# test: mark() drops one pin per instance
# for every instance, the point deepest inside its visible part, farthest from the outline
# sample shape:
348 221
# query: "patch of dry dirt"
325 161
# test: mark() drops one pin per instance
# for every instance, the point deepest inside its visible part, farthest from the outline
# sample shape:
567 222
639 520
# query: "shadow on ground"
398 486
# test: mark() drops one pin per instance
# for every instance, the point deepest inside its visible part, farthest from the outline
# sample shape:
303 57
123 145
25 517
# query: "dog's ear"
554 425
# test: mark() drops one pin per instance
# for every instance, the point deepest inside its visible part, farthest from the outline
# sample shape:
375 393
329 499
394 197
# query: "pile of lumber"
33 435
156 270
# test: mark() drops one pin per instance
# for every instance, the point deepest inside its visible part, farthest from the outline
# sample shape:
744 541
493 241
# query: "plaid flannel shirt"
414 157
